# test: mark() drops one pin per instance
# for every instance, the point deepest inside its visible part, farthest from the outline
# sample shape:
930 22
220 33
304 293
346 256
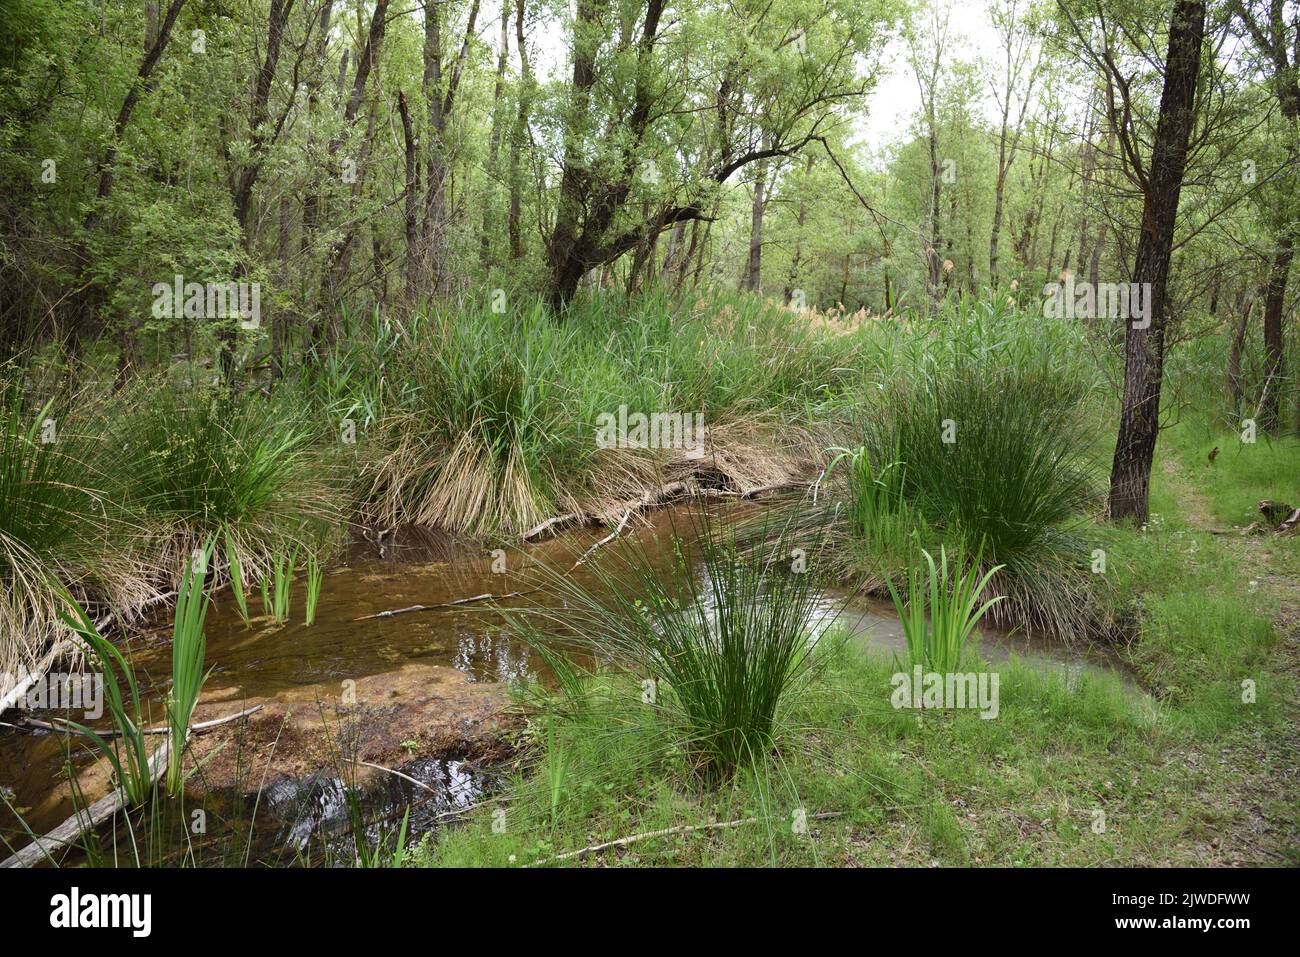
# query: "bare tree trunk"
441 104
1244 306
494 144
753 279
410 217
311 202
279 321
934 267
1281 51
339 256
1139 426
674 251
86 305
517 135
262 135
1274 349
800 219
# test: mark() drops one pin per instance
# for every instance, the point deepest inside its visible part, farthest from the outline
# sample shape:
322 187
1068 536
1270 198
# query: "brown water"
262 659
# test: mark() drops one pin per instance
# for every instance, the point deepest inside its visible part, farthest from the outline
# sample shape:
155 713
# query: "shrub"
720 638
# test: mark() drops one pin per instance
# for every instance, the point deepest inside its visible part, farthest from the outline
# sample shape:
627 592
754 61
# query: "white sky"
892 106
897 98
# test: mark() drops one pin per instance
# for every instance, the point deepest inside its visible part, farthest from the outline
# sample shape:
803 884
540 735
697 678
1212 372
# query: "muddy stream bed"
423 693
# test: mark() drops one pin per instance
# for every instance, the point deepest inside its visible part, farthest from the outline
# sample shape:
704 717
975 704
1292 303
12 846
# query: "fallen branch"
200 728
85 820
486 596
666 832
604 541
17 691
550 523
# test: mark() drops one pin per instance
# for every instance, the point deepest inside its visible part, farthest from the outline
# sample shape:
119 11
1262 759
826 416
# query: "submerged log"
85 819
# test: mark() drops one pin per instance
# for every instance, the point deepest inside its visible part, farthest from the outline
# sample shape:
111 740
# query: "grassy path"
1248 779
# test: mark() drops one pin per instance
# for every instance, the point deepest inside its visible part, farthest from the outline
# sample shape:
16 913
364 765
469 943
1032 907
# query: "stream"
312 815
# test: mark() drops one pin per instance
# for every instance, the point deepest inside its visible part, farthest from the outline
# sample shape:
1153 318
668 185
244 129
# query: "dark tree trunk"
1139 426
279 316
410 217
753 280
1274 302
494 144
517 134
1275 42
86 305
1244 306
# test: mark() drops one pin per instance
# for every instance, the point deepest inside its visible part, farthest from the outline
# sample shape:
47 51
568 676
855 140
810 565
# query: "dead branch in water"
17 691
85 820
486 596
35 724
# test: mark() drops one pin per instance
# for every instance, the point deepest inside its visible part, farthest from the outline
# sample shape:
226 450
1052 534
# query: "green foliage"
195 463
189 648
128 753
995 451
277 584
315 576
938 611
58 507
717 650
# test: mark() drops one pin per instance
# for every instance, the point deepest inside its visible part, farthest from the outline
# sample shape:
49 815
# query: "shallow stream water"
261 659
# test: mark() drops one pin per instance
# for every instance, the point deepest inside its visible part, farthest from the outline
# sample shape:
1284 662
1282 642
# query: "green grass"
939 608
277 584
189 649
993 457
490 426
1242 475
716 645
1166 761
126 749
486 423
196 463
902 789
57 509
315 576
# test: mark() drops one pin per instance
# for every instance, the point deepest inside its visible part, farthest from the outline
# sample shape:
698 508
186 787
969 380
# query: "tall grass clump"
57 509
197 462
720 634
1012 483
939 610
728 355
495 429
189 652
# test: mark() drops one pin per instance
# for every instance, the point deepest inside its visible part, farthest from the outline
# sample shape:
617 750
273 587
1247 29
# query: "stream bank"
350 694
